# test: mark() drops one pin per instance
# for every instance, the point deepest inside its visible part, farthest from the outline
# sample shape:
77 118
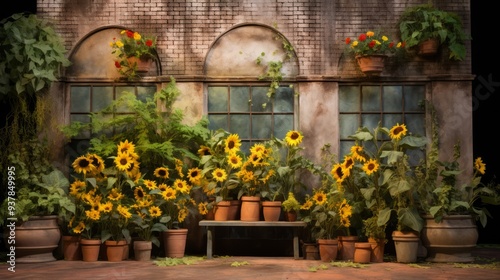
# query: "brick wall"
186 29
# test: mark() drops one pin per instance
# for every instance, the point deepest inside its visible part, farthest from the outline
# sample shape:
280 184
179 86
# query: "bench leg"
296 244
210 238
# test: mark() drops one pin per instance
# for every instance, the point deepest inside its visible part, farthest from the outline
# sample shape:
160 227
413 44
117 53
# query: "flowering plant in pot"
256 171
132 44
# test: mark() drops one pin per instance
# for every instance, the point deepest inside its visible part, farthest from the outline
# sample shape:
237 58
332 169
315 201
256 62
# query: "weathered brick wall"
186 29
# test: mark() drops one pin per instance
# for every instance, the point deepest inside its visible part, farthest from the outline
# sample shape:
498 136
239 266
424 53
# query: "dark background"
485 96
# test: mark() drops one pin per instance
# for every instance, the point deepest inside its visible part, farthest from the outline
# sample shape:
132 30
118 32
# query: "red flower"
362 37
149 42
391 45
347 41
372 44
130 33
117 64
403 44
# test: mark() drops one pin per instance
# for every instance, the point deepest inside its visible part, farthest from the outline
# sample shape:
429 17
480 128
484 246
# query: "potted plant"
134 52
291 206
425 23
371 49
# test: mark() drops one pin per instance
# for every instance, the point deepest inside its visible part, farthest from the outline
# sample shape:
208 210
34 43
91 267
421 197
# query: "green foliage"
155 128
30 57
291 203
423 22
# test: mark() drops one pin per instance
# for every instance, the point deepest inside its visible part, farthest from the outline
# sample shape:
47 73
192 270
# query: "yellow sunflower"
204 151
76 188
169 194
319 198
219 175
154 211
258 149
338 172
106 207
94 215
480 166
232 143
293 138
194 175
162 187
182 186
202 208
83 164
345 213
348 164
124 211
150 184
79 228
115 194
161 172
182 215
126 147
178 166
357 153
370 167
234 160
398 131
139 193
123 161
97 162
307 205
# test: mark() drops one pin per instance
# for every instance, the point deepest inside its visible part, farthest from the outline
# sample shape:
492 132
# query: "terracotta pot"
90 249
371 64
115 250
310 251
451 240
36 239
406 245
71 248
362 252
428 47
271 210
222 210
234 210
174 242
144 64
328 249
291 216
378 247
250 208
346 247
142 250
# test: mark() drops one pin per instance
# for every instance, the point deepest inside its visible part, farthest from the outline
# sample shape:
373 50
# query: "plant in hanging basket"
132 50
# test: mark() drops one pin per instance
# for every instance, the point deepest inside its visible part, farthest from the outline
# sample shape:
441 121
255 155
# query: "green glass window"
369 105
239 109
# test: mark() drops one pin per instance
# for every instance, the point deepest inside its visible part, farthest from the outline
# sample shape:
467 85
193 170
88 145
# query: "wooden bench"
211 224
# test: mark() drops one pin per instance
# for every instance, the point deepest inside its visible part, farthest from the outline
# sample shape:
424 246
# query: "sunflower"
106 207
307 205
182 186
97 162
293 138
357 153
169 194
134 166
94 215
258 149
83 164
480 166
161 172
182 215
232 143
154 211
76 188
115 194
338 172
139 193
194 175
348 164
202 208
370 167
204 151
123 161
345 212
150 184
162 187
319 198
178 166
124 211
126 147
398 131
79 228
219 175
234 160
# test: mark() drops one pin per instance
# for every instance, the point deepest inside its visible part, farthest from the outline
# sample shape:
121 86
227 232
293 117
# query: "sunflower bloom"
307 205
480 166
126 147
97 162
178 166
79 228
150 184
123 161
202 208
338 172
83 164
293 138
194 175
182 215
234 160
115 194
319 198
370 167
139 193
182 186
232 143
398 131
161 172
106 207
219 175
124 211
357 153
204 151
169 194
154 211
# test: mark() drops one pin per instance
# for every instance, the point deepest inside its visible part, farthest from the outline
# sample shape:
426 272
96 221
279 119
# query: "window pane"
217 121
282 124
345 148
393 99
391 120
83 119
283 101
349 99
348 124
240 124
101 98
217 99
259 98
370 98
80 99
145 93
416 124
239 97
120 92
370 120
414 95
261 127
